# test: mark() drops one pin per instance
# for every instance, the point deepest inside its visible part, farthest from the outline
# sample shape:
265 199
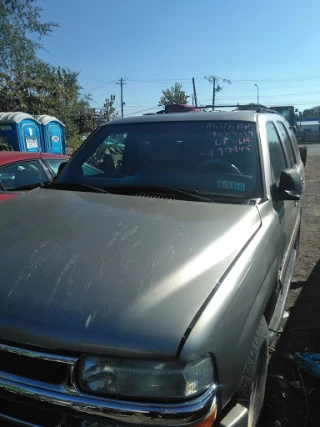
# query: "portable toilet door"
9 139
53 134
21 131
30 134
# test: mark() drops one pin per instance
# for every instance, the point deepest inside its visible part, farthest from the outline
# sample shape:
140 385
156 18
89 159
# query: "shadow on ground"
286 404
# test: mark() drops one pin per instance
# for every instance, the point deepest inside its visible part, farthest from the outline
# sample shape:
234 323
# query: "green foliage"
108 112
31 85
74 143
4 146
21 31
87 120
311 112
174 95
21 73
45 89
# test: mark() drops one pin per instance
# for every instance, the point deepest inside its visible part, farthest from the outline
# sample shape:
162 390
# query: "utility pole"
214 80
121 83
257 93
213 91
194 93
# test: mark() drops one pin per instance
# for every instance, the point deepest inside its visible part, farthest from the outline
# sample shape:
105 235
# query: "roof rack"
258 108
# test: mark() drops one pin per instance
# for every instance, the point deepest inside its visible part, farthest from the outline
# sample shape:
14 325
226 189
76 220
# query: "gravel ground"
292 396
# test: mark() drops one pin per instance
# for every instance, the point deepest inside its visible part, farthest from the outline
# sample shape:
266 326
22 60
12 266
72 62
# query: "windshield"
210 157
54 164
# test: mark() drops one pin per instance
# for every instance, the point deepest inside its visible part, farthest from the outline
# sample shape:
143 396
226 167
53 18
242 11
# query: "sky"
155 43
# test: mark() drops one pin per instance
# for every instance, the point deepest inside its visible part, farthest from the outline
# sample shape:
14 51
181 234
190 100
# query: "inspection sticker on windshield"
231 185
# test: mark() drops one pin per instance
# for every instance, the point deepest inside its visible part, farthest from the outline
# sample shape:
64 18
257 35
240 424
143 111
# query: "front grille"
27 415
38 389
32 368
13 413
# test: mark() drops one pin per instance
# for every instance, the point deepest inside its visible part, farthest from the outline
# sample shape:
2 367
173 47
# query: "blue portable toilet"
53 134
20 131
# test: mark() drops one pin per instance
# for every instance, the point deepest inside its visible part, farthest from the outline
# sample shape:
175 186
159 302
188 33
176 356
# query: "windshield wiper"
230 199
156 189
28 187
75 186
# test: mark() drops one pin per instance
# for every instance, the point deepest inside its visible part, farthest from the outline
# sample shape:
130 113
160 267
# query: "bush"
73 143
4 146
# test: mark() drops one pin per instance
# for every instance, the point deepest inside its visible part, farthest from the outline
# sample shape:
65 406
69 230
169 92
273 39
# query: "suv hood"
112 274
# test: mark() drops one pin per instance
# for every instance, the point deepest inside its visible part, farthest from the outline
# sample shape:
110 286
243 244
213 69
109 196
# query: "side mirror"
290 185
61 167
294 129
303 153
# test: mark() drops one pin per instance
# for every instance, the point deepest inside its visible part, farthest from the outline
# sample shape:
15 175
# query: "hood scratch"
67 267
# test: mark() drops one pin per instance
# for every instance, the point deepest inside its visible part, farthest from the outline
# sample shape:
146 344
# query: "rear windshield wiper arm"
153 189
75 186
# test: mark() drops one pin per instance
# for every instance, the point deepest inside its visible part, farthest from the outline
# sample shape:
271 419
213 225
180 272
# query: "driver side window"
108 157
277 157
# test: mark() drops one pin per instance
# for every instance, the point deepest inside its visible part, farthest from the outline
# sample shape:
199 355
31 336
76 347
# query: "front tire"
252 389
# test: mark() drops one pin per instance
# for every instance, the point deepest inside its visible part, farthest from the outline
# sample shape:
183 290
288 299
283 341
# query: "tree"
311 112
21 31
31 85
174 95
108 112
87 120
44 89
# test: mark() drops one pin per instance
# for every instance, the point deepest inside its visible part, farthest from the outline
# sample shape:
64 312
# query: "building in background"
309 125
309 130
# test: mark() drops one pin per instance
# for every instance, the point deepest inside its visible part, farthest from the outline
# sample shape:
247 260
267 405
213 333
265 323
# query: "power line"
101 85
131 107
158 80
269 96
137 107
202 104
284 103
278 79
296 103
162 80
141 111
244 91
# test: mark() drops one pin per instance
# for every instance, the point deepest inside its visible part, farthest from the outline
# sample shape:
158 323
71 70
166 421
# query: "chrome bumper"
66 398
118 411
237 417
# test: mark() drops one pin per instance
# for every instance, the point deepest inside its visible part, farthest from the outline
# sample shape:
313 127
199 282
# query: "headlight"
140 379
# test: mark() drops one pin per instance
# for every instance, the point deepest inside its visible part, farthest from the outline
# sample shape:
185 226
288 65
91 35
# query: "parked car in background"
151 275
19 170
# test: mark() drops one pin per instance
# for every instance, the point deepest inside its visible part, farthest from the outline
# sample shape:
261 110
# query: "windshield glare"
211 157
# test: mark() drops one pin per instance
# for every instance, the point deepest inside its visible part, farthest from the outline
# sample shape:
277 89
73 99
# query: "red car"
19 170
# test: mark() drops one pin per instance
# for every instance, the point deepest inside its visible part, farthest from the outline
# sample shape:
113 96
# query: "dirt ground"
293 396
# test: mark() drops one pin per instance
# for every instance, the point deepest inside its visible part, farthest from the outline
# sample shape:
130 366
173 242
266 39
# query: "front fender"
227 326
